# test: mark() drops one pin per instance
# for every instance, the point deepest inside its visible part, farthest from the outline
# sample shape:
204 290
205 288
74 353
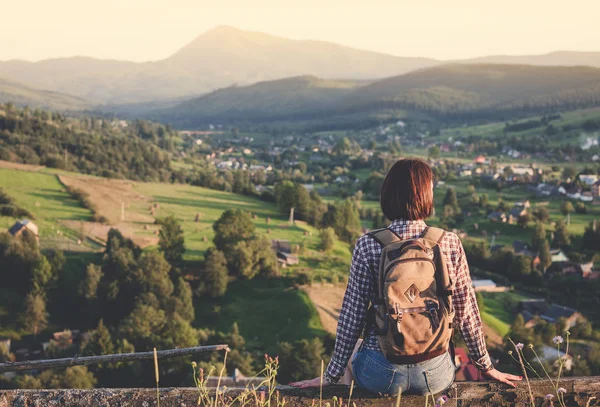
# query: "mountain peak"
225 39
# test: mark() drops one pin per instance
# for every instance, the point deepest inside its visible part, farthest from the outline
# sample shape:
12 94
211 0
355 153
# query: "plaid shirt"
361 289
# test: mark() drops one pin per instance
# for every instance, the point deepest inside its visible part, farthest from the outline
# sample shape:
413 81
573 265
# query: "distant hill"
557 58
21 95
291 98
482 89
447 92
218 58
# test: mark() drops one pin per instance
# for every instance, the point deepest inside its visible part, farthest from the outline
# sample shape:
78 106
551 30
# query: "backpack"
412 313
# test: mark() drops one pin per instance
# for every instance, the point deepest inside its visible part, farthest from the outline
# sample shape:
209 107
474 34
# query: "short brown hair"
406 190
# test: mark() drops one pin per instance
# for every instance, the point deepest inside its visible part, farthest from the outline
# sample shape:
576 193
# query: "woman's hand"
316 382
501 377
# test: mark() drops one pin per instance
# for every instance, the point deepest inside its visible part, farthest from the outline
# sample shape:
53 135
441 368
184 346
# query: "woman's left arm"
352 316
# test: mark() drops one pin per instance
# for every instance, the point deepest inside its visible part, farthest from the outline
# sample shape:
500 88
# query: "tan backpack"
413 311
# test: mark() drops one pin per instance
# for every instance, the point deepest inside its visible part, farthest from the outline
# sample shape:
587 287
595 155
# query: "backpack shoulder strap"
434 235
384 236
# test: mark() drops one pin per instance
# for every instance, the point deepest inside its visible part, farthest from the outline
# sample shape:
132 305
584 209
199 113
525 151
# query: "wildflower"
558 340
549 396
561 390
441 400
194 365
519 346
567 333
510 352
530 346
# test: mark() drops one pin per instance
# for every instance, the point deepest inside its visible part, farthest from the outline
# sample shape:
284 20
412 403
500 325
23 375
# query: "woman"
407 199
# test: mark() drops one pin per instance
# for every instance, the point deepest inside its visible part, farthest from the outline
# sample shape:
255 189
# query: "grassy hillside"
267 310
22 95
573 119
44 196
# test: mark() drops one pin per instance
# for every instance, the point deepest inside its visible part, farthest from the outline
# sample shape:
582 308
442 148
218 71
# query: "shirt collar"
405 224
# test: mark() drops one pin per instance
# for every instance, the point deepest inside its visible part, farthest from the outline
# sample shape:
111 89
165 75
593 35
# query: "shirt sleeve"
352 316
468 317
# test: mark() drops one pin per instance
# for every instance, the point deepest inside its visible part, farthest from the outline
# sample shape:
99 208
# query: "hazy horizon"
152 30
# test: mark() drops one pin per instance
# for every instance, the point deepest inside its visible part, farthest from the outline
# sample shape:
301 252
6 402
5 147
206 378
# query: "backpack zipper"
396 262
401 311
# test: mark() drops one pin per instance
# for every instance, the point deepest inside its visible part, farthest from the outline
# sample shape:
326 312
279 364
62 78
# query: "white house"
552 355
588 179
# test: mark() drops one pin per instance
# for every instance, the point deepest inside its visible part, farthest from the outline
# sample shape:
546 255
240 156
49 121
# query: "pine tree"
214 277
171 240
183 304
34 317
327 237
545 256
450 199
538 237
88 288
99 342
562 238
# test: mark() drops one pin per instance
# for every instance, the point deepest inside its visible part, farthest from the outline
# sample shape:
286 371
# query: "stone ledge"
462 394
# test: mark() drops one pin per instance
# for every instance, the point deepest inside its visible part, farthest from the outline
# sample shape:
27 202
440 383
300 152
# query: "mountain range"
446 92
227 56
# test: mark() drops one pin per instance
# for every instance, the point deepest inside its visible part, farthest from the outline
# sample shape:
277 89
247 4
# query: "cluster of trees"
307 206
513 267
238 252
140 300
343 216
87 145
29 278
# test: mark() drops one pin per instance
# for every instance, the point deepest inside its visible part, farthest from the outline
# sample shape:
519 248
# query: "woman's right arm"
468 318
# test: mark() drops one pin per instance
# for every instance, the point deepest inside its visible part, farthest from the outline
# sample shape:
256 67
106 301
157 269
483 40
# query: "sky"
143 30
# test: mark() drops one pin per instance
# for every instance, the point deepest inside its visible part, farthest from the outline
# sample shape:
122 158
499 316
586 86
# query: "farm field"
43 194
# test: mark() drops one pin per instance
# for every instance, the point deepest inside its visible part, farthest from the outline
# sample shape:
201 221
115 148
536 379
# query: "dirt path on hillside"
109 195
23 167
328 301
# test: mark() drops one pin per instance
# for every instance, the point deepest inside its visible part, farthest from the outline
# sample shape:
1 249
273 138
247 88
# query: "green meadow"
254 304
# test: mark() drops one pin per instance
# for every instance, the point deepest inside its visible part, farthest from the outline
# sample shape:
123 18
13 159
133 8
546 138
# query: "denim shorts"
373 372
